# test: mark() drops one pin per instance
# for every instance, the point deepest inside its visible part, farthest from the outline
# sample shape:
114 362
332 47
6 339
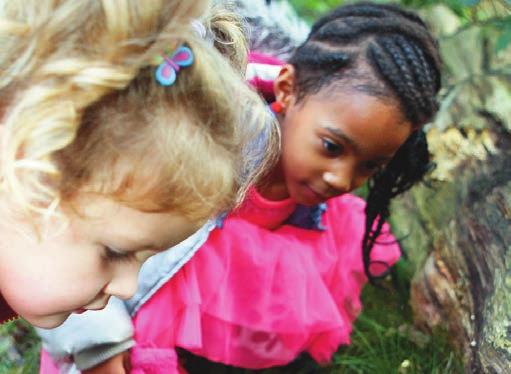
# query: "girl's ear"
284 86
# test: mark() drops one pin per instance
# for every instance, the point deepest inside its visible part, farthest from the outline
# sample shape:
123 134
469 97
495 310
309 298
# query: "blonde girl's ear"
284 86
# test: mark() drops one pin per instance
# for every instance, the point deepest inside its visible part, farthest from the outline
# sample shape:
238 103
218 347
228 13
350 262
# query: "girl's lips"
82 310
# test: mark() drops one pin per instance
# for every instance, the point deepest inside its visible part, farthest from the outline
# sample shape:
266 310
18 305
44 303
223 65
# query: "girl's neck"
273 185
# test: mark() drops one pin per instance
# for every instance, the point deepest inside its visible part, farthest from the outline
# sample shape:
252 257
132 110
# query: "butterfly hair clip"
169 65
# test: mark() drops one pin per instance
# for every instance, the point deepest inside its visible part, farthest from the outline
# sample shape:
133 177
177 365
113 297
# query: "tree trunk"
465 282
457 227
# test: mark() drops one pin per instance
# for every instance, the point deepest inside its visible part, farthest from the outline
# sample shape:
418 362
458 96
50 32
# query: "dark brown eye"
333 149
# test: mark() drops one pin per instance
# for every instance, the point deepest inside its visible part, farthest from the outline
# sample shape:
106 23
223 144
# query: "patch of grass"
385 341
19 348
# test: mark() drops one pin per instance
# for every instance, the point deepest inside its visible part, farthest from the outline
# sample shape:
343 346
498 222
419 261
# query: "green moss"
419 213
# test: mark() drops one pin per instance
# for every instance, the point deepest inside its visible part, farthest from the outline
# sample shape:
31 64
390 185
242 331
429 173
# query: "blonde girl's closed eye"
83 115
117 255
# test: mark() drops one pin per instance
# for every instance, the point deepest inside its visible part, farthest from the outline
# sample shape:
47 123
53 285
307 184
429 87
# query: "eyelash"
112 256
328 143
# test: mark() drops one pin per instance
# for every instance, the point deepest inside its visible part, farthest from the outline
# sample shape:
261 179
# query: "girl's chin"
308 197
47 322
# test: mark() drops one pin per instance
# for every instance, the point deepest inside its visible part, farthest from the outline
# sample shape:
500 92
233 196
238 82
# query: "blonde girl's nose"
124 282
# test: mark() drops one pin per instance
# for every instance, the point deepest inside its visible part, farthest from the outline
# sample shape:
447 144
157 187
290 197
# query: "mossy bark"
458 225
464 282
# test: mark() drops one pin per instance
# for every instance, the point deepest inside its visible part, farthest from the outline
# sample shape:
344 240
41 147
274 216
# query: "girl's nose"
341 181
124 283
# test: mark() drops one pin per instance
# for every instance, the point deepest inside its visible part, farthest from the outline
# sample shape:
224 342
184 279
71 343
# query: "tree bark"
457 226
464 283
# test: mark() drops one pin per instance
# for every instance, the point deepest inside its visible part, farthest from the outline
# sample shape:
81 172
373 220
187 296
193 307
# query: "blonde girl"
102 163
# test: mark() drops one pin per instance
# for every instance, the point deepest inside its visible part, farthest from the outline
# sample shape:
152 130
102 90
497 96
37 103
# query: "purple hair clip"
170 65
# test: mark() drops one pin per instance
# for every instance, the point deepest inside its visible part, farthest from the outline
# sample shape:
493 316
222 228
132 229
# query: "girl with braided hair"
105 157
284 273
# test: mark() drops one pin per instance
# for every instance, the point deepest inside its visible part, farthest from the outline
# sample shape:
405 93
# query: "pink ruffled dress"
260 292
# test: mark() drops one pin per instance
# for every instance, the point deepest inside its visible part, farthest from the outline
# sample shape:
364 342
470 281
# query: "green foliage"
19 348
312 9
462 8
495 13
504 27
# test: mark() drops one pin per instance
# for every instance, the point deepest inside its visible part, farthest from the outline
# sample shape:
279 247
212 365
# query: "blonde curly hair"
80 109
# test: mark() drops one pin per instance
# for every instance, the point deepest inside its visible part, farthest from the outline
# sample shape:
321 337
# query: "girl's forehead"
367 122
359 76
359 100
356 85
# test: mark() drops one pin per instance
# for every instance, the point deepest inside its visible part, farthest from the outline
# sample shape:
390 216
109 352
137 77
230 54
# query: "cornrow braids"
384 51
